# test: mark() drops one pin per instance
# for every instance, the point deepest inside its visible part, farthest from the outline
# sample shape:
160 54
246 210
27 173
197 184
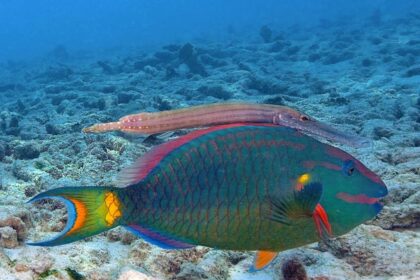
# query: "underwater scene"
209 139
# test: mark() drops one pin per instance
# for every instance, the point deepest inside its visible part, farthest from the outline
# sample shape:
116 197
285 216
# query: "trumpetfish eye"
304 118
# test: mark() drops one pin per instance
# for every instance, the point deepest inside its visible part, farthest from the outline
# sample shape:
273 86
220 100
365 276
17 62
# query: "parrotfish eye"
348 167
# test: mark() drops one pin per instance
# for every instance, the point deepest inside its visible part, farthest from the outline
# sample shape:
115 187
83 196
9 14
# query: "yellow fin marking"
302 180
113 204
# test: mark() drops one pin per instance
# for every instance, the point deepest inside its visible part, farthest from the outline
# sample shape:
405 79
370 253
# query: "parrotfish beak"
383 191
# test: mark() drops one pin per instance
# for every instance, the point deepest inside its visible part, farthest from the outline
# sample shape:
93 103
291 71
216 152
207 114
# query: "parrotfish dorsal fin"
263 259
300 203
144 165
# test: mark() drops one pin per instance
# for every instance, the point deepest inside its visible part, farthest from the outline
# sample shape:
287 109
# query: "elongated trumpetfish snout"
90 210
330 133
321 130
102 127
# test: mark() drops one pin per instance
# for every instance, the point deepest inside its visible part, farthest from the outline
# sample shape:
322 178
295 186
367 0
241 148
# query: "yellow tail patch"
113 205
112 211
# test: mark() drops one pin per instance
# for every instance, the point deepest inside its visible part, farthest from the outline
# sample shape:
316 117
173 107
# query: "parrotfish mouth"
322 131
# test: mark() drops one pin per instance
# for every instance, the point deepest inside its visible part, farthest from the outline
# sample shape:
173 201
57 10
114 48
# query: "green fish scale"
213 190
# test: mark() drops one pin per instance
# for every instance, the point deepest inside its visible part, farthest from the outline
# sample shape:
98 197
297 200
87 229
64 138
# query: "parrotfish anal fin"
157 238
263 259
322 224
299 204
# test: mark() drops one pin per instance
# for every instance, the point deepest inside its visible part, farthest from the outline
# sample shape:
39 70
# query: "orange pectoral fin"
262 259
321 221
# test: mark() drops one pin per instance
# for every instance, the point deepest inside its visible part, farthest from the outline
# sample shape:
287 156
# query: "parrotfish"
226 113
248 187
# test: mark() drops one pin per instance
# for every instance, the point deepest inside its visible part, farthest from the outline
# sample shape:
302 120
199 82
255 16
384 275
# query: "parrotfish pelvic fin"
262 260
300 204
90 210
322 224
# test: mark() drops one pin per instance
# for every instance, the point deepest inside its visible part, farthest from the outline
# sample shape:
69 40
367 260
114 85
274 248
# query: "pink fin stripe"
359 198
142 167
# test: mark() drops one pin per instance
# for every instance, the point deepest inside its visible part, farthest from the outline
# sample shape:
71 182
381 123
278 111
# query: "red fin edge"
321 221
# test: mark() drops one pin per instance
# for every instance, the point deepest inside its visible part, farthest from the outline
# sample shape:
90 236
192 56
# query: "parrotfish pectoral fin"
322 224
262 260
90 210
300 204
159 239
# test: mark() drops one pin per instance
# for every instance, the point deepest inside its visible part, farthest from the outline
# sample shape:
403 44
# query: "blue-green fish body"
236 187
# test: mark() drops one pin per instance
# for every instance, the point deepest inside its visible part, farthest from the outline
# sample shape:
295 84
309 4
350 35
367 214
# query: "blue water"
32 28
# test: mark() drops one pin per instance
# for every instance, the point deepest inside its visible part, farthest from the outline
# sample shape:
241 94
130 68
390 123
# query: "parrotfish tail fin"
91 210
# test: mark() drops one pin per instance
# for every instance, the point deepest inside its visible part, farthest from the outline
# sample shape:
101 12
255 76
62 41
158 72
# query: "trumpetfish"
227 113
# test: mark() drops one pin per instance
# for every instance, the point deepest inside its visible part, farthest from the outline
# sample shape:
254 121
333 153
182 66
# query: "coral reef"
14 223
188 55
360 77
